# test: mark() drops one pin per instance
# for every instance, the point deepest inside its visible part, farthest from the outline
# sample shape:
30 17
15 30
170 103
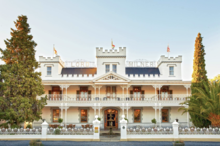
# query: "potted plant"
99 118
178 143
60 120
154 121
126 119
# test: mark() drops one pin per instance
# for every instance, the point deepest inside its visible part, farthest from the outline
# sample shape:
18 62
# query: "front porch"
137 115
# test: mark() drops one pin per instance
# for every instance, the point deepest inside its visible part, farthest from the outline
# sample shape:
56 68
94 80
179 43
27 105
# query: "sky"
144 27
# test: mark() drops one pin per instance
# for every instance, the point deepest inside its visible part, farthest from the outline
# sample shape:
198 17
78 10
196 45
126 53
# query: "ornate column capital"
187 86
66 86
159 86
123 86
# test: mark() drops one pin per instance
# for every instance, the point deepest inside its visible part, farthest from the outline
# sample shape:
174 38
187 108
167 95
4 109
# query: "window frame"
168 115
56 115
106 71
50 70
134 115
171 72
115 68
86 116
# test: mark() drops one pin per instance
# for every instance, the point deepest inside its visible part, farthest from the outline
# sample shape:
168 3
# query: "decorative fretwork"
111 77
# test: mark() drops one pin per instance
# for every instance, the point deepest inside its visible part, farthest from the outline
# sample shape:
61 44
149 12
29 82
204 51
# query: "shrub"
57 132
154 121
29 126
15 126
60 120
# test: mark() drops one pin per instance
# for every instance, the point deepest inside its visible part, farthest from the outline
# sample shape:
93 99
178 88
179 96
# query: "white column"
127 110
160 113
95 92
94 109
123 93
127 91
123 108
99 109
99 93
155 87
156 112
66 107
187 89
61 86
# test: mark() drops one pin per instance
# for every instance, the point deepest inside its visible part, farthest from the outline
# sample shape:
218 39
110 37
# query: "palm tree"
205 104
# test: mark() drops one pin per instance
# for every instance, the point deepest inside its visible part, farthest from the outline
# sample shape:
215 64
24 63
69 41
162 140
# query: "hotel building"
112 86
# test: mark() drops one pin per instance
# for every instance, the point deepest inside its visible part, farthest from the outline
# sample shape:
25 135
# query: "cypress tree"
199 78
21 82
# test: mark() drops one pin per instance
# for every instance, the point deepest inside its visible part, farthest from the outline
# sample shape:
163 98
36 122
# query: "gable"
111 77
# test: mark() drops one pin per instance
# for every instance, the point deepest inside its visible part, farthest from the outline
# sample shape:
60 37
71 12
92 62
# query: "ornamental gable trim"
111 77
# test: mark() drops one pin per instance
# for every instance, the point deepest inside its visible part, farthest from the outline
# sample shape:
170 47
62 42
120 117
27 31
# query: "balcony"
113 99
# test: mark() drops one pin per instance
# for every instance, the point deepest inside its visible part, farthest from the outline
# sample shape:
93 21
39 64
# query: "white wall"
164 63
110 57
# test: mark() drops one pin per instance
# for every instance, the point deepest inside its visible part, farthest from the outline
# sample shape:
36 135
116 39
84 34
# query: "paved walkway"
132 143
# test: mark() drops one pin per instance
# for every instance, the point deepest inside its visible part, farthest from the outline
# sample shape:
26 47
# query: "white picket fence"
169 134
46 133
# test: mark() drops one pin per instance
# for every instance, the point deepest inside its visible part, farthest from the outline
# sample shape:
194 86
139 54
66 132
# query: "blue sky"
145 27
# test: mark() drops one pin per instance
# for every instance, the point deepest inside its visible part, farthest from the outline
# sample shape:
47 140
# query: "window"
83 116
165 115
49 70
56 113
114 68
137 116
107 68
171 70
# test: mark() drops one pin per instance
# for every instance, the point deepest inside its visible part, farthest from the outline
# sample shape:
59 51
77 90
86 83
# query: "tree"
199 79
209 107
21 83
199 71
215 79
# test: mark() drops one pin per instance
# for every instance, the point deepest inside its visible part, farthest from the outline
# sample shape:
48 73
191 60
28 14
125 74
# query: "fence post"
96 129
44 126
175 129
123 129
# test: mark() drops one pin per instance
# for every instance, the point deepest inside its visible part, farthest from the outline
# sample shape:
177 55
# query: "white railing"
116 97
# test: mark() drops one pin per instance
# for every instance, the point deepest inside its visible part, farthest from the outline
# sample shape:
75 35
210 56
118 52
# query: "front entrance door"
111 119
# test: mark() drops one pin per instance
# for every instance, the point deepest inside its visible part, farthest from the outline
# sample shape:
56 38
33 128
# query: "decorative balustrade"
196 131
143 131
117 97
20 131
70 131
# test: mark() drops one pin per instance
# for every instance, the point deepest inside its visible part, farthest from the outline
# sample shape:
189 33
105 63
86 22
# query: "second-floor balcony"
116 98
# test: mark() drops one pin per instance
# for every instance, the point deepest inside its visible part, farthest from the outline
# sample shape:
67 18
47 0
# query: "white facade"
141 92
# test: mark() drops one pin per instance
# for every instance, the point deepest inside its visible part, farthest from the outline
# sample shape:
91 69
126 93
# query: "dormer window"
107 68
114 68
171 70
49 70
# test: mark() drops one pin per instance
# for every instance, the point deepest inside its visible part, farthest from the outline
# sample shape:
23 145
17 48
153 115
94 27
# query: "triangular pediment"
111 77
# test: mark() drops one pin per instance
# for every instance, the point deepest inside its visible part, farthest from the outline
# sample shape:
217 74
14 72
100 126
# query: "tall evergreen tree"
21 83
199 79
